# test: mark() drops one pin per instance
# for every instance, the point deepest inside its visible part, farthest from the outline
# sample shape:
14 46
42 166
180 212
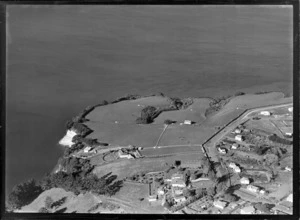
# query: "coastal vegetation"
280 140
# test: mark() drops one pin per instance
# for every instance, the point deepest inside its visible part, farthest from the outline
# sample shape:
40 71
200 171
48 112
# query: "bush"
168 122
48 202
239 93
43 210
279 140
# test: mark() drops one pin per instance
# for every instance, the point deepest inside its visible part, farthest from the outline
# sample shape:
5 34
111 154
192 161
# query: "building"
234 146
248 210
160 191
178 183
87 149
177 176
266 113
288 169
239 138
290 198
237 131
244 180
124 155
222 150
252 188
232 165
177 191
179 199
290 109
187 122
262 191
237 169
220 204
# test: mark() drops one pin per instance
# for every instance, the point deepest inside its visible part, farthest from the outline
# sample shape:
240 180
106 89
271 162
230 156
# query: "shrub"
43 210
279 140
239 93
48 202
168 122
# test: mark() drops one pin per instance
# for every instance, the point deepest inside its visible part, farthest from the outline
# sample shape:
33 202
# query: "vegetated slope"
195 112
82 203
126 111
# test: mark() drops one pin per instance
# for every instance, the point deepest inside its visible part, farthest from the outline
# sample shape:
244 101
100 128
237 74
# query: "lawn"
195 112
125 111
125 134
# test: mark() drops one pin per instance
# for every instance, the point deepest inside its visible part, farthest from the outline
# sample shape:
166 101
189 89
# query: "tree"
24 193
230 197
177 163
168 122
239 93
43 210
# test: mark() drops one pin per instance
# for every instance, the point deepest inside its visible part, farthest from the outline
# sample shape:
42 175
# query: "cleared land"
126 134
125 111
195 112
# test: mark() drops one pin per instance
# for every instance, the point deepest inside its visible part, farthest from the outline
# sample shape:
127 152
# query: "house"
288 169
222 150
237 169
252 188
178 183
266 113
177 191
124 155
239 138
187 122
262 191
244 180
160 191
290 109
152 198
179 199
248 210
234 146
87 149
220 204
232 165
237 131
177 176
290 198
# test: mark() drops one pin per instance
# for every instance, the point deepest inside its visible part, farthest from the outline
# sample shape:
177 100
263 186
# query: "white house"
290 198
222 150
160 192
288 169
248 210
179 199
124 155
252 188
220 204
178 183
290 109
234 146
244 180
232 165
187 122
239 138
266 113
262 191
237 131
152 198
237 169
87 149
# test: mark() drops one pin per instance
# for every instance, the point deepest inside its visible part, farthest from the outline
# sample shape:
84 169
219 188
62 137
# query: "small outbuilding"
234 146
220 204
265 113
290 198
248 210
290 109
239 138
187 122
244 181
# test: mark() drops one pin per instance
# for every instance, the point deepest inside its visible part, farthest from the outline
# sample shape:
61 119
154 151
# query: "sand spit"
67 139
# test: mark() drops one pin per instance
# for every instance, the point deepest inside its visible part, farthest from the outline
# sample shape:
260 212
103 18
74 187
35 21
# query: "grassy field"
125 111
170 150
126 134
124 167
195 112
185 135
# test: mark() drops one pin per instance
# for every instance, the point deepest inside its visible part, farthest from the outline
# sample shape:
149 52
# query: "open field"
130 194
124 167
263 124
170 150
185 135
195 112
125 111
126 134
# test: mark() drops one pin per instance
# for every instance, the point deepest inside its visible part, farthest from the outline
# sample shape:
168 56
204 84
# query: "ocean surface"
62 58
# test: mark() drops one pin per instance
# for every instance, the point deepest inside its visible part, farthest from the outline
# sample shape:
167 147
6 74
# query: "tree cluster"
148 114
23 194
280 140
